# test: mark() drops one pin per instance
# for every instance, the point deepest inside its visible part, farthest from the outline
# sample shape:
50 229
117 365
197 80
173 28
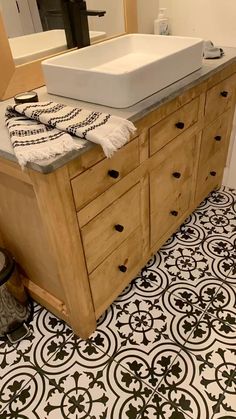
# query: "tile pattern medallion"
165 349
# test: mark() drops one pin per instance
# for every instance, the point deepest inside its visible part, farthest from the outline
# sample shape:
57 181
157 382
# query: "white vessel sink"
38 45
122 71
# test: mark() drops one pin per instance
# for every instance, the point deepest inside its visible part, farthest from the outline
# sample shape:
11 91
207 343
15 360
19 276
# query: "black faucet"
75 16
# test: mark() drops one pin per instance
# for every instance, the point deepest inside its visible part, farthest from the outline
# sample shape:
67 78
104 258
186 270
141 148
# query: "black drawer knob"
177 175
218 138
213 173
123 268
179 125
224 93
174 213
119 228
113 173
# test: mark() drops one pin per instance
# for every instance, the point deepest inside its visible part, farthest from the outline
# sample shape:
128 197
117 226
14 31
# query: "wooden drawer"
112 276
104 233
171 185
219 98
104 174
215 138
210 176
170 127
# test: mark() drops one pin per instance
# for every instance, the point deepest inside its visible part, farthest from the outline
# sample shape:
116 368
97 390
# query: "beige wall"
147 12
208 19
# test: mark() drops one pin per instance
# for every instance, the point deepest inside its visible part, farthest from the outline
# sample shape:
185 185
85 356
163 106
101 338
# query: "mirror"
17 75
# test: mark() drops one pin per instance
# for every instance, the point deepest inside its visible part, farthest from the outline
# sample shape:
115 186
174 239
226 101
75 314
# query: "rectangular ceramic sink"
122 71
39 45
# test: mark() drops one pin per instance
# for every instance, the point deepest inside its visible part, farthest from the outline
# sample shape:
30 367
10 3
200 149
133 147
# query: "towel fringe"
118 138
25 156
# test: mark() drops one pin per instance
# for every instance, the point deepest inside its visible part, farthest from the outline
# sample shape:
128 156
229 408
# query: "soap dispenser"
161 24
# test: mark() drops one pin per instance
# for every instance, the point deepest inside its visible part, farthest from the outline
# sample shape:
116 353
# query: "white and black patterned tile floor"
166 348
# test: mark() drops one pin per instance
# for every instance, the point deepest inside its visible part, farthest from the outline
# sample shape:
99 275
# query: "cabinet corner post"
56 205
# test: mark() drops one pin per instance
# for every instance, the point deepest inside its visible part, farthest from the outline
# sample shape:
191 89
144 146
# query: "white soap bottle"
161 24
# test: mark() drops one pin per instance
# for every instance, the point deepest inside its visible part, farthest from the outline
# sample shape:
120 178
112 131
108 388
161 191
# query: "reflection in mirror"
112 23
36 28
31 30
37 45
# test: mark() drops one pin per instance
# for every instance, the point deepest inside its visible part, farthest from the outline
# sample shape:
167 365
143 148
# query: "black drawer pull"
224 93
213 173
218 137
113 173
123 268
179 125
177 175
119 227
174 213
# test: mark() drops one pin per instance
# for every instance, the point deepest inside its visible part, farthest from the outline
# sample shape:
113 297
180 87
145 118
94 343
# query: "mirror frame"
16 79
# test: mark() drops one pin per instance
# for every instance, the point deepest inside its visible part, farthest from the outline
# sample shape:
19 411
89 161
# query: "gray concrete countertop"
133 113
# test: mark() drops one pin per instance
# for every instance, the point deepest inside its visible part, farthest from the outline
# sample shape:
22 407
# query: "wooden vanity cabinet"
84 231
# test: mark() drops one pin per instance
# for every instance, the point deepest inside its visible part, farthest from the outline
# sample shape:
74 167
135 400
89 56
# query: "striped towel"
44 129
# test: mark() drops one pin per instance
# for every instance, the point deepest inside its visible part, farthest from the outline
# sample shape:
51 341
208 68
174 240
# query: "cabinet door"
171 185
113 275
214 145
215 138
